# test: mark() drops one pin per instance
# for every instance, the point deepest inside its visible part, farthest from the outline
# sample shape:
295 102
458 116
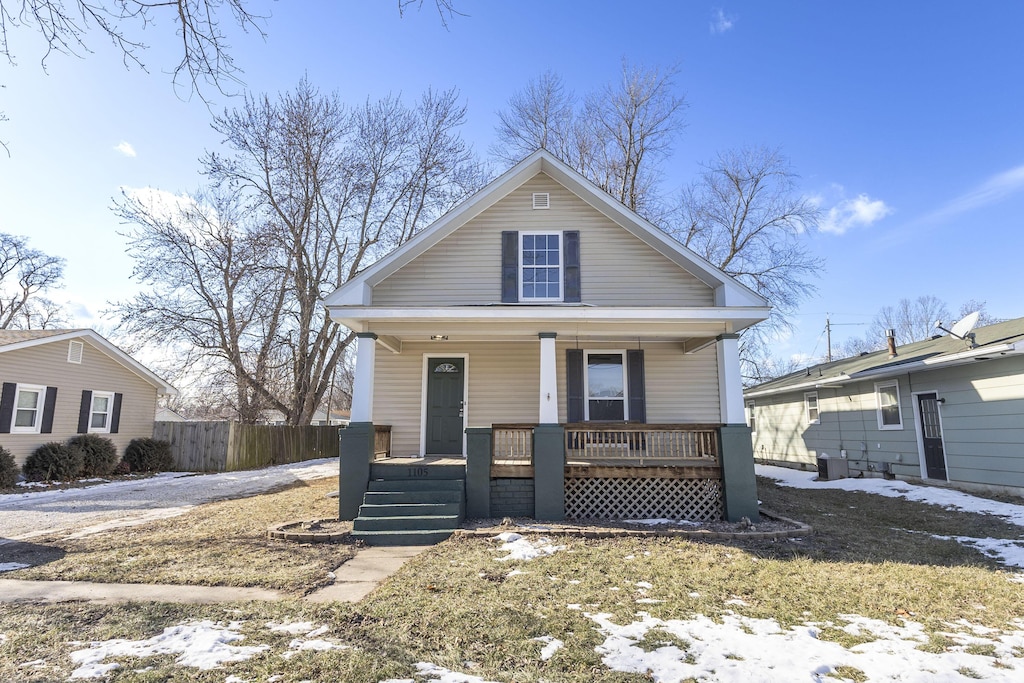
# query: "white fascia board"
105 346
816 383
944 361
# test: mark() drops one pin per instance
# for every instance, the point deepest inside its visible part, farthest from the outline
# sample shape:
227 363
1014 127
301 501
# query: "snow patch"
12 566
553 645
520 548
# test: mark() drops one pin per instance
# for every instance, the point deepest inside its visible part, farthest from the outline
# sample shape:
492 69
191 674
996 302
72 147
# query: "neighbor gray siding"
617 269
47 364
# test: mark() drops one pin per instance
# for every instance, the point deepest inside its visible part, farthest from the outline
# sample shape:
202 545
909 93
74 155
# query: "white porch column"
362 383
730 382
548 379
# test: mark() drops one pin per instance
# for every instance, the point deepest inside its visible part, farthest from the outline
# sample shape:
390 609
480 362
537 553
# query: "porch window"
99 412
540 263
28 410
606 386
811 407
887 401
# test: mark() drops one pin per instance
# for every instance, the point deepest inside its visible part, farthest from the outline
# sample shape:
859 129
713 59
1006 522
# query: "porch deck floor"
572 462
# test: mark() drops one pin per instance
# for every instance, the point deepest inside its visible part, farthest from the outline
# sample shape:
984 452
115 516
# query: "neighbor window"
750 417
99 412
887 397
28 409
811 407
540 263
605 387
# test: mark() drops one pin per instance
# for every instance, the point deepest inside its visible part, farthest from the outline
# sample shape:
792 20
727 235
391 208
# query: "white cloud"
851 213
720 22
125 149
995 189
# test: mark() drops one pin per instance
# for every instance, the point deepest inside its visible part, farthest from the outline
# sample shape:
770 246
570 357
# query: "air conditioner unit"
830 468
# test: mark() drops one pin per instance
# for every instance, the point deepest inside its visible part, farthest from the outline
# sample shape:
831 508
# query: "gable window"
605 388
811 407
28 409
887 400
540 263
100 412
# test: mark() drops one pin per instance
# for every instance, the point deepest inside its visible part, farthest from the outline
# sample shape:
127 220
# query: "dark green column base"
736 453
356 451
478 472
549 472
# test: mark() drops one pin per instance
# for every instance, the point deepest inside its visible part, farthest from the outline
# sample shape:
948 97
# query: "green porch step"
411 471
403 510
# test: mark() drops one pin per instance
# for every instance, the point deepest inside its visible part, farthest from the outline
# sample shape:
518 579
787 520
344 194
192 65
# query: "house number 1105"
419 472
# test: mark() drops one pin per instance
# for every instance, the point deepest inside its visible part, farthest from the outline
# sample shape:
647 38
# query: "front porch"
579 471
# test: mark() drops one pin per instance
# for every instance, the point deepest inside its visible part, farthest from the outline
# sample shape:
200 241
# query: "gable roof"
12 340
992 341
728 291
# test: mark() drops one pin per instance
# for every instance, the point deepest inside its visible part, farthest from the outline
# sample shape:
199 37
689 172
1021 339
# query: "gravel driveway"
82 511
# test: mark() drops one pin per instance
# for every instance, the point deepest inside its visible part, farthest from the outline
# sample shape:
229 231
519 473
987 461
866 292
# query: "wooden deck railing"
512 444
640 444
381 441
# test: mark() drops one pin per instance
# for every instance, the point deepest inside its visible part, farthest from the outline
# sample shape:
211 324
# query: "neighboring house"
591 354
164 414
945 410
319 418
59 383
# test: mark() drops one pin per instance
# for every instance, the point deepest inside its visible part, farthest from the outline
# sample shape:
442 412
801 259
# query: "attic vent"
75 351
541 200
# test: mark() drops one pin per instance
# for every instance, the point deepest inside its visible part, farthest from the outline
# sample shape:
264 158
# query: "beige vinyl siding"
616 268
504 385
47 364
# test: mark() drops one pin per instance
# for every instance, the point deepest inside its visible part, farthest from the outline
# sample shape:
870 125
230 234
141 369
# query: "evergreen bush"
149 455
8 470
99 454
53 461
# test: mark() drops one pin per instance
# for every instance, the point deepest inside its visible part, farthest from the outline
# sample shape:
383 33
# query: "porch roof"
692 326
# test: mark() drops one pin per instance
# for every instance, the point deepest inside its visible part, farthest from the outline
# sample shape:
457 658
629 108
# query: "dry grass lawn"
217 544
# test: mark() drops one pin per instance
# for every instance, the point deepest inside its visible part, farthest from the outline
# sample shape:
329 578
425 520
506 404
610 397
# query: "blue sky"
903 119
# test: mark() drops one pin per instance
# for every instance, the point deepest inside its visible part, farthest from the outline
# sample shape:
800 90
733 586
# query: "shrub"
99 454
8 470
53 460
122 468
149 455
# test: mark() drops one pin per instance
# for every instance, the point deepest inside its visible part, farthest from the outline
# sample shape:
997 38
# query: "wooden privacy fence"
230 446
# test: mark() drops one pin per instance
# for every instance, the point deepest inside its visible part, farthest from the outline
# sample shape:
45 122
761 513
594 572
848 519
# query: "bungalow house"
59 383
558 353
948 409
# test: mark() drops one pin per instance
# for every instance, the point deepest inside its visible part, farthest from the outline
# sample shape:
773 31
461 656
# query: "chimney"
890 338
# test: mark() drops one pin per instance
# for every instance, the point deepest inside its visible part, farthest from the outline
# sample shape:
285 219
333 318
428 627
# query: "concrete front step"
409 510
418 523
406 537
394 497
417 484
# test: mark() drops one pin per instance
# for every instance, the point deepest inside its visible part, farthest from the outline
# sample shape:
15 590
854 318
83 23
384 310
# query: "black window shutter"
7 407
83 412
509 266
637 390
571 249
115 414
574 385
49 405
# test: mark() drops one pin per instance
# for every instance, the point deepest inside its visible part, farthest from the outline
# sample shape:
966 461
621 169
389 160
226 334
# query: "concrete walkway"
353 581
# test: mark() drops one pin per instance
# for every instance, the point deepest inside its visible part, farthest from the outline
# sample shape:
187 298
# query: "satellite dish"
965 325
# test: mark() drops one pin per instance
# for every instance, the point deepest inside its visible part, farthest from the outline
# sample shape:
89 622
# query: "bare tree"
309 193
26 275
745 215
616 137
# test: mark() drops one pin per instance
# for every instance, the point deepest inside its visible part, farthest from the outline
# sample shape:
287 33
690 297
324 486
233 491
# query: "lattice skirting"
614 498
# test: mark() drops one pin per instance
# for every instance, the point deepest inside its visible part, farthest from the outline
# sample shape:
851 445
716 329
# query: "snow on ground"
552 645
933 495
1009 552
745 649
11 566
520 548
200 644
135 501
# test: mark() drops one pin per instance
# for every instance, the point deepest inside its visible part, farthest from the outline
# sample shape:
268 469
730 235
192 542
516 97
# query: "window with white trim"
540 266
811 407
28 409
604 385
100 412
887 401
750 417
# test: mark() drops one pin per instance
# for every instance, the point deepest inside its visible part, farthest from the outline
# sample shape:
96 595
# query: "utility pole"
828 336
